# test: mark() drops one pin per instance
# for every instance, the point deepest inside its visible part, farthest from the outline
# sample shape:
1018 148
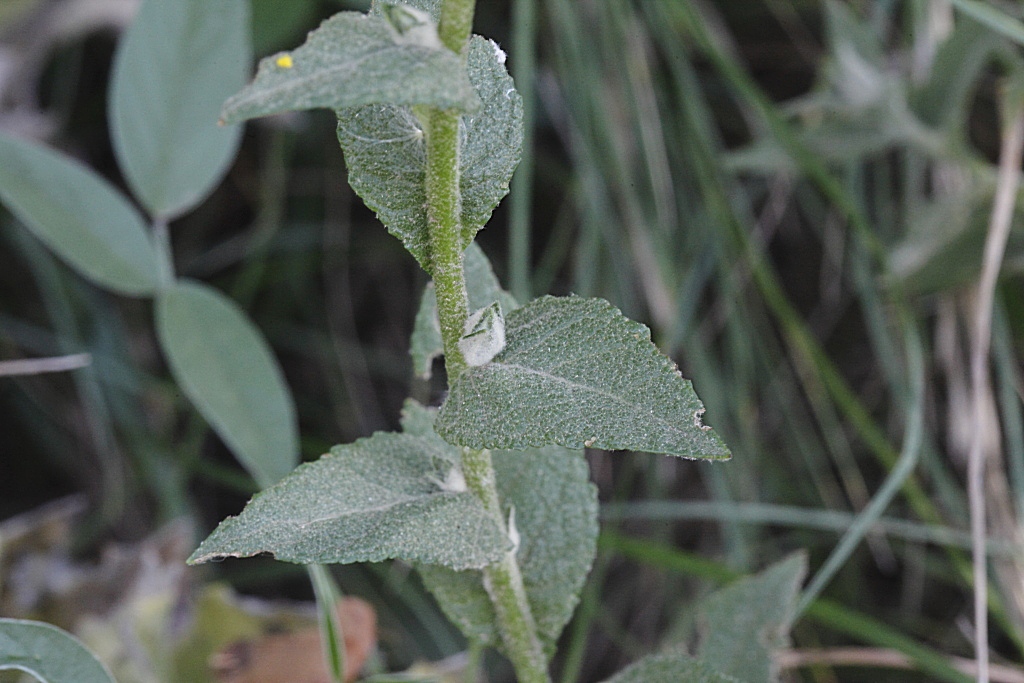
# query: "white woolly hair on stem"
981 340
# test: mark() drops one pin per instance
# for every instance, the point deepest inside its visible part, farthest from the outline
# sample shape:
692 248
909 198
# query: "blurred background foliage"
789 193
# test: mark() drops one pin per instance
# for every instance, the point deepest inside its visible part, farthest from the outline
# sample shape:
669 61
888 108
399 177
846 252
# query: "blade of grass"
38 366
54 291
894 481
805 348
331 636
524 69
1006 371
981 342
763 514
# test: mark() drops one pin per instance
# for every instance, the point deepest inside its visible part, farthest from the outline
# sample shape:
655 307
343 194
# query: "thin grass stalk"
331 636
981 341
113 475
804 346
1010 393
714 265
767 514
524 70
39 366
881 658
588 128
908 459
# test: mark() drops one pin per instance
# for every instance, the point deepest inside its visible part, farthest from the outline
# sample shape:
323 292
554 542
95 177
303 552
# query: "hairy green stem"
456 24
445 226
503 580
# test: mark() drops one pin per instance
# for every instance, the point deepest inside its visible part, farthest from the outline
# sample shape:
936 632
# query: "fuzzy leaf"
376 499
225 367
943 101
670 669
483 288
575 372
79 215
386 156
354 60
431 7
744 623
48 653
556 516
174 67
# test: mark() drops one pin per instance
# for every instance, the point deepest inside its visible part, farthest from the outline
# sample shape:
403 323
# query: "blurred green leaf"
225 367
48 653
483 289
743 624
993 18
353 60
386 154
944 99
575 372
379 498
174 67
945 243
556 516
79 215
670 669
846 31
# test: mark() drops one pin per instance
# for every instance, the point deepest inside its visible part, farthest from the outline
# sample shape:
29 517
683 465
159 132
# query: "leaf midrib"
593 390
340 71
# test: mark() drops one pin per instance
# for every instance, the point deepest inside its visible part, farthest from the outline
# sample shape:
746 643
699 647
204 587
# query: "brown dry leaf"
298 657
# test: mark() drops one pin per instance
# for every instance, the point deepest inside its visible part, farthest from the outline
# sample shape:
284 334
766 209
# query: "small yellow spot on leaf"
285 61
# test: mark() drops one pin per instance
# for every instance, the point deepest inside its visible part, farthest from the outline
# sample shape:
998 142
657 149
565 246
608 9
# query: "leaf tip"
196 558
229 115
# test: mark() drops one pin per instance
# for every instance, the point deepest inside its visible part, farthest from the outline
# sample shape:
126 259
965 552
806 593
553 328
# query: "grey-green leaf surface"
431 7
670 669
225 367
48 653
575 372
353 60
78 215
379 498
743 624
943 245
174 67
556 516
386 156
483 289
942 101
